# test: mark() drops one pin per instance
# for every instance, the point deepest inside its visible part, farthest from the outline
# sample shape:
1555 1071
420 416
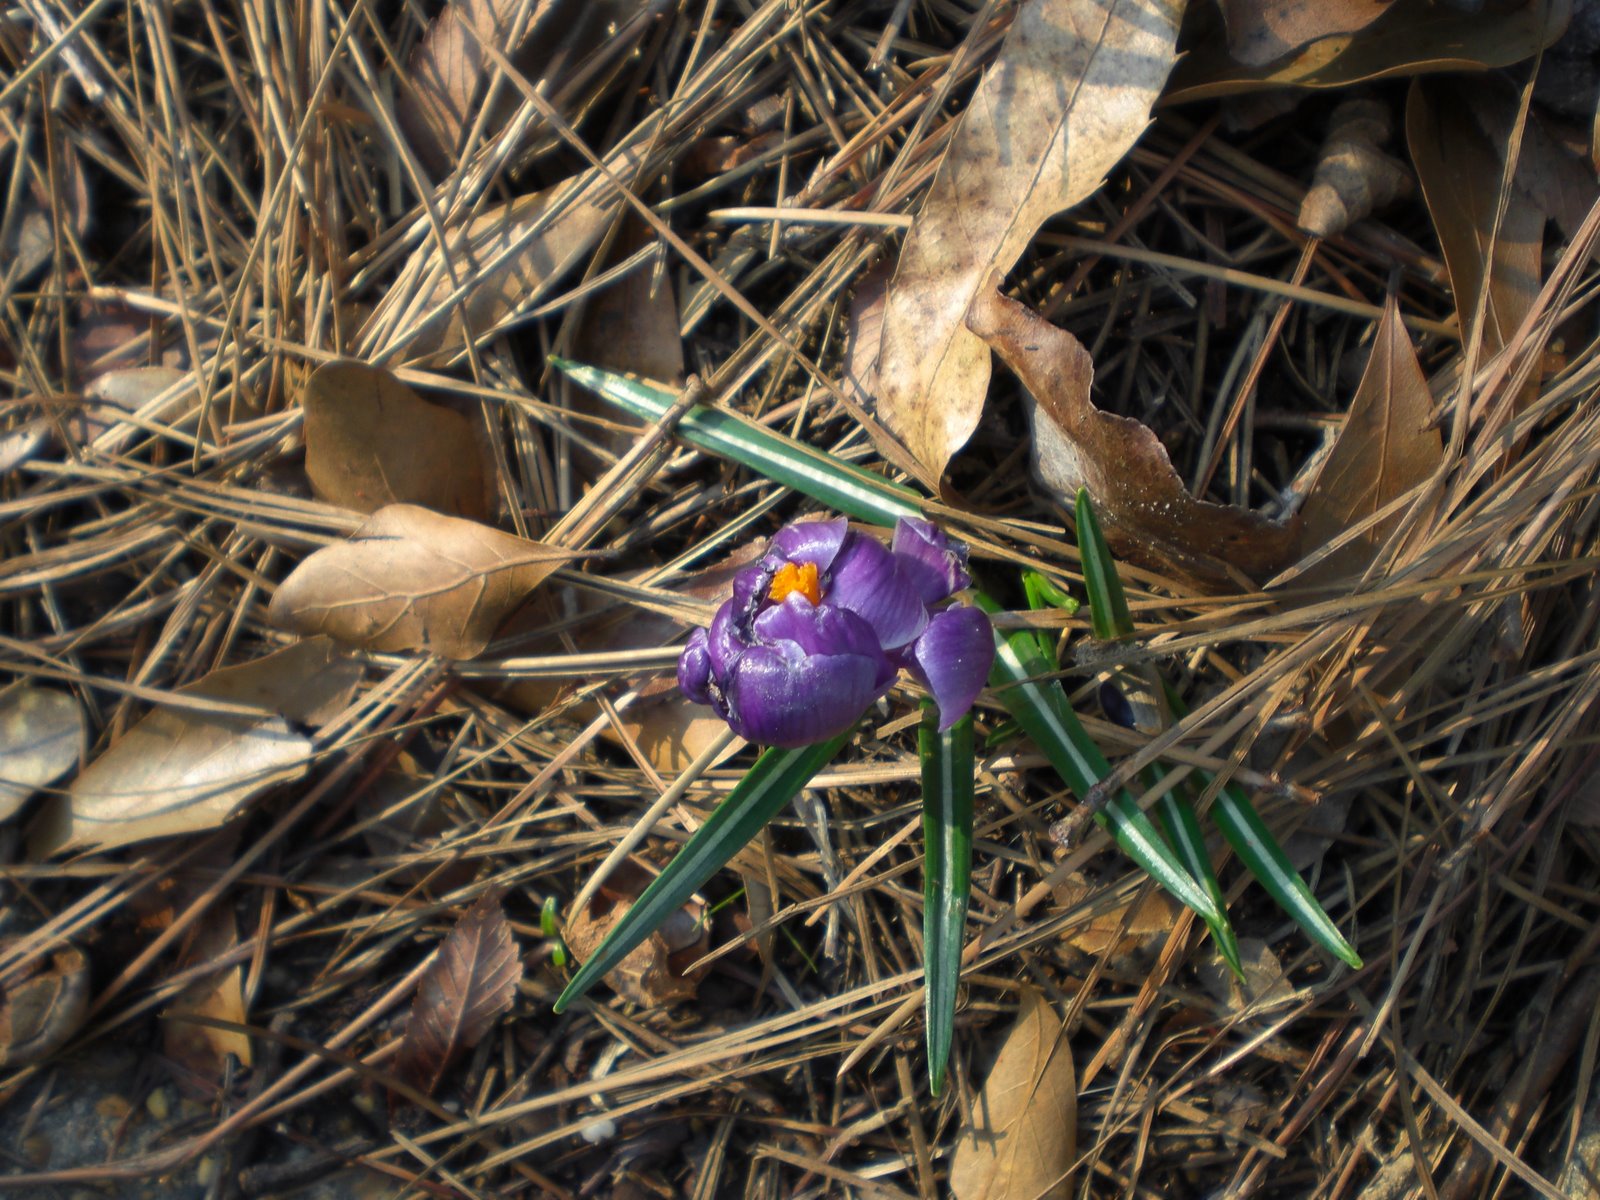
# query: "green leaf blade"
839 485
947 791
776 778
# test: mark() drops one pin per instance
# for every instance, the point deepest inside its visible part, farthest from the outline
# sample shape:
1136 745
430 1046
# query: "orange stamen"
796 577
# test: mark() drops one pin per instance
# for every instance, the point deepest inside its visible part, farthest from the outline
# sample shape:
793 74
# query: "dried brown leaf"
1067 97
473 981
1414 37
1147 513
1262 31
1124 932
43 735
449 70
1022 1135
632 326
182 770
41 1005
372 441
1386 448
654 972
449 73
504 259
412 579
1461 170
202 1051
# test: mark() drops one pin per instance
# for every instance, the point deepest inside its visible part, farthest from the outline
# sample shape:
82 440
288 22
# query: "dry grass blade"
470 984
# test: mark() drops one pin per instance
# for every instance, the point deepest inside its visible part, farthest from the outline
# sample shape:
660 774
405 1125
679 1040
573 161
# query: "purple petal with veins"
867 580
815 542
952 660
935 567
778 695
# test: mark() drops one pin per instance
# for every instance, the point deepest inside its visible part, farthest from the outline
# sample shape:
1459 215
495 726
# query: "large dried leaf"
449 70
372 441
449 73
411 579
502 260
458 999
1386 448
1262 31
654 972
632 326
202 1051
184 769
42 737
1461 171
1022 1135
1148 514
1414 37
1069 94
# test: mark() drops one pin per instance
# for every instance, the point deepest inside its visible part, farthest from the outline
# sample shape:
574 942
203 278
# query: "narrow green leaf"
1041 708
1109 617
840 485
1183 830
1265 859
776 778
1250 838
947 775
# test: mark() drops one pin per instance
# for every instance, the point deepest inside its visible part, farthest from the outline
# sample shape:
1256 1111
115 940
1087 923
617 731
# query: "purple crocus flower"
819 627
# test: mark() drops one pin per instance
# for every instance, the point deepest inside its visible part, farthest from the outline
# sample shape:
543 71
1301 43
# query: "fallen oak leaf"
43 735
1022 1135
1067 97
1413 37
1263 31
473 981
183 770
412 579
372 441
1148 514
1387 447
500 262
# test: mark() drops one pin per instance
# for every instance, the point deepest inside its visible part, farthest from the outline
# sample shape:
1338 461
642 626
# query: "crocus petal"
819 629
952 659
935 567
1116 707
694 669
815 542
723 643
780 696
866 579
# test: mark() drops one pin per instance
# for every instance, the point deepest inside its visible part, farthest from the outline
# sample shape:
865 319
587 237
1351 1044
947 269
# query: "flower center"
796 577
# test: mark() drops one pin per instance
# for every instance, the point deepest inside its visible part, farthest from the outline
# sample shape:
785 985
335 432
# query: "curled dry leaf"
1460 169
372 441
1354 176
42 736
473 981
1414 37
1386 448
1022 1135
181 770
1122 933
501 260
42 1003
1148 514
202 1051
655 971
1067 97
411 579
449 72
1262 31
